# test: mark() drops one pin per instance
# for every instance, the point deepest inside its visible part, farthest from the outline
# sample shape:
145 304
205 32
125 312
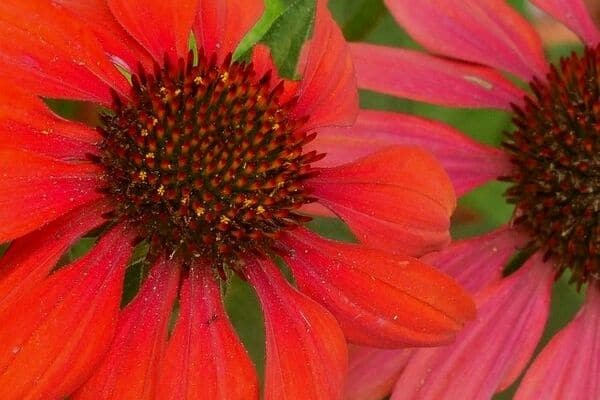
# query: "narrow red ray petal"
423 77
205 359
487 32
306 350
35 190
379 299
29 259
129 371
52 338
161 27
574 15
569 366
399 199
328 93
50 53
468 163
124 50
27 123
493 350
372 372
221 24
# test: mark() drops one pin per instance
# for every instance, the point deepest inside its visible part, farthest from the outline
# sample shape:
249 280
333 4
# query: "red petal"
124 49
468 163
161 27
35 190
306 351
52 338
379 300
46 51
263 64
29 260
477 262
205 359
399 199
129 371
418 76
487 32
221 24
27 123
575 15
493 350
569 366
373 372
328 94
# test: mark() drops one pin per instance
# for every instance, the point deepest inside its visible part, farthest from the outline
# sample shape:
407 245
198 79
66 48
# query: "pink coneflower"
206 160
551 159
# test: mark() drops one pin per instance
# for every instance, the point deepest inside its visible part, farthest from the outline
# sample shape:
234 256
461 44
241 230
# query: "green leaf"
357 18
284 28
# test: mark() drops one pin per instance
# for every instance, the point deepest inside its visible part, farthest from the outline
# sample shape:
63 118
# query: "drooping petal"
205 360
129 370
221 24
124 50
479 261
35 190
27 123
328 93
372 372
574 15
53 337
306 351
423 77
487 32
569 366
161 27
379 300
399 199
48 52
29 259
493 350
468 163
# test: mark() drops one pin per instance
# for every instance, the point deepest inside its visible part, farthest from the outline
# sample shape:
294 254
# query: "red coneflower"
551 160
210 162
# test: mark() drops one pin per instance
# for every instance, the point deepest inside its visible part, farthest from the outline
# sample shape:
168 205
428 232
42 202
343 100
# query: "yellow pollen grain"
185 200
161 190
224 219
144 132
248 203
225 76
260 210
199 80
276 126
143 175
150 155
177 92
200 211
154 121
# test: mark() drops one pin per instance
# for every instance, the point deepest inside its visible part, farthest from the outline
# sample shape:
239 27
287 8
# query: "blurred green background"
285 25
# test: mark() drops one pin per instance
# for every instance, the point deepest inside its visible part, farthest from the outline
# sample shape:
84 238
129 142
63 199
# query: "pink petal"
46 51
372 373
423 77
489 354
575 15
487 32
306 350
221 24
161 27
477 262
328 94
569 366
129 370
399 199
53 336
468 163
205 359
378 299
